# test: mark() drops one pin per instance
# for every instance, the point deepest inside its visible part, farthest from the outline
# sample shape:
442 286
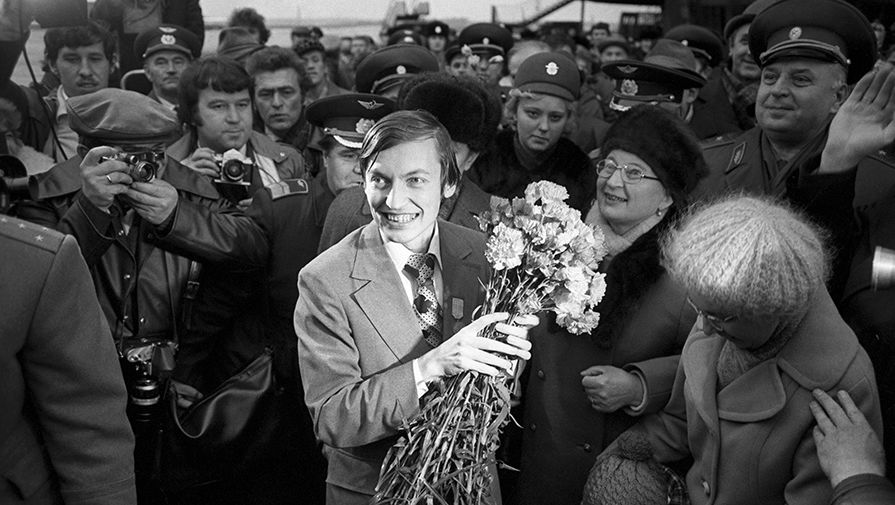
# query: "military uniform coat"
751 442
63 429
357 336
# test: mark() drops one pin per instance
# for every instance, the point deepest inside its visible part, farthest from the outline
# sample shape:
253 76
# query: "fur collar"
630 275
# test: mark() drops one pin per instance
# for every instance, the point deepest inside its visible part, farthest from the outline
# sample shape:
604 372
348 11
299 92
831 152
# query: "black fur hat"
665 143
463 105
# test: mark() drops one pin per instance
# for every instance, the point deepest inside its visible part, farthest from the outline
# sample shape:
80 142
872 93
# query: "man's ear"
841 90
449 191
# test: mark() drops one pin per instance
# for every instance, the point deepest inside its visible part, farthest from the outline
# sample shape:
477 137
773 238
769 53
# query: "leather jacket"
140 285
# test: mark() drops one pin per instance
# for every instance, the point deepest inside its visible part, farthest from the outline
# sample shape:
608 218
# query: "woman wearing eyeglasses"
767 336
584 390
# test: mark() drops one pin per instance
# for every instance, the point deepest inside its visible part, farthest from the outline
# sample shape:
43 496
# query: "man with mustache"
166 51
82 57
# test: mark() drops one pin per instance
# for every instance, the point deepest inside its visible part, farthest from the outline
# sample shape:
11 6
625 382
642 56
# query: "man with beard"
166 52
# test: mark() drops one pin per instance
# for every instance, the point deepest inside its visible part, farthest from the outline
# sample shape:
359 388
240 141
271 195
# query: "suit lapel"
745 169
382 298
460 276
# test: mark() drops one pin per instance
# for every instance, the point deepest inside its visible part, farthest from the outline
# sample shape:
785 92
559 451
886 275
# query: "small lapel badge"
457 308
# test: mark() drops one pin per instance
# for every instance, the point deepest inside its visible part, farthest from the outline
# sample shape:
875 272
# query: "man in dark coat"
64 436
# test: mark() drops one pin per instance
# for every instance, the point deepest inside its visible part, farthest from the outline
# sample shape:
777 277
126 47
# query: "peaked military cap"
437 29
350 116
405 36
306 46
551 73
486 38
827 30
121 117
167 38
700 40
746 16
386 67
614 41
666 71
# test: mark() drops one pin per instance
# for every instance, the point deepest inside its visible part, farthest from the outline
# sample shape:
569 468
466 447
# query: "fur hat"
665 143
463 105
629 475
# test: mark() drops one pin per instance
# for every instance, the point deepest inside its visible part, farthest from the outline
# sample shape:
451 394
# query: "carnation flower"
545 191
505 247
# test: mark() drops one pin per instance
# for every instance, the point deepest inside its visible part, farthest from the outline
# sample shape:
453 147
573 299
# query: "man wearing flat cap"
385 70
115 211
815 144
249 292
726 104
485 46
667 77
166 51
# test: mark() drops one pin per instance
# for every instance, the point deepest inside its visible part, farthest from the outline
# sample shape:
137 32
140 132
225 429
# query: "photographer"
216 105
114 214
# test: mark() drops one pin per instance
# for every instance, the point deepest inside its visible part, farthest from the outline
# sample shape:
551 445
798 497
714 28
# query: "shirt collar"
400 254
62 99
168 105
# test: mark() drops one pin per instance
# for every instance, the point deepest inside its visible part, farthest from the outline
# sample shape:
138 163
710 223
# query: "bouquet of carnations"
543 258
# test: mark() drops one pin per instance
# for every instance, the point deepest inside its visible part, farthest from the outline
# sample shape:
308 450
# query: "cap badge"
629 87
795 33
486 40
167 29
363 125
437 29
400 70
685 42
627 69
371 105
552 68
168 40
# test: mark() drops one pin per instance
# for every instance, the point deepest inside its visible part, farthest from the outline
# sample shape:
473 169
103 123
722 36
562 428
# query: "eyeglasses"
711 318
630 174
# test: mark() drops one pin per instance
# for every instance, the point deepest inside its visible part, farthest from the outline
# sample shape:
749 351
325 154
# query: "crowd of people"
194 214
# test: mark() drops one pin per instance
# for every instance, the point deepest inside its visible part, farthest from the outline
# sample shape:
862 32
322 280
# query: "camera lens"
234 171
145 392
142 171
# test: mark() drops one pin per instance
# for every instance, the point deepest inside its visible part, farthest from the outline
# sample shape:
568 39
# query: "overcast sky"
474 10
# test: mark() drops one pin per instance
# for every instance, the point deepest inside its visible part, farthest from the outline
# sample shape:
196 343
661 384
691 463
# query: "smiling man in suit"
371 330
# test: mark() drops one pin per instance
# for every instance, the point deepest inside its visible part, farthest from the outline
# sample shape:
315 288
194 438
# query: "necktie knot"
421 266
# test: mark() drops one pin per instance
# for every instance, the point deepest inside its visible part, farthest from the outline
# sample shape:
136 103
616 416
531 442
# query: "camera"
234 170
141 166
145 395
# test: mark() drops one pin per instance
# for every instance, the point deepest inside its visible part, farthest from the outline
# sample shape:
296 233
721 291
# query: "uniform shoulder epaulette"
30 233
716 142
288 187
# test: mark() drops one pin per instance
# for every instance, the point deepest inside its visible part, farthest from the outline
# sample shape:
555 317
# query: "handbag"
219 435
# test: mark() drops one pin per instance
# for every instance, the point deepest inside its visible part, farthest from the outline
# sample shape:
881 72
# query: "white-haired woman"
766 336
540 109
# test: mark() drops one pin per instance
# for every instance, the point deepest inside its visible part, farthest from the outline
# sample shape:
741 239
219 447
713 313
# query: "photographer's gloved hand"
186 395
101 181
202 161
154 201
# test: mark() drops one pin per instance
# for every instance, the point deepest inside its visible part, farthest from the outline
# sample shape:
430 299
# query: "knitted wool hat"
630 476
748 255
463 105
665 143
